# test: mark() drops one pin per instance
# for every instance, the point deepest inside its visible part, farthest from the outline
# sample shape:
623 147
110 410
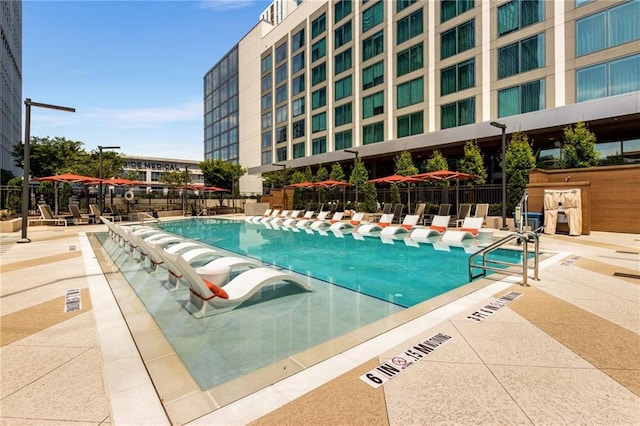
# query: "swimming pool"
397 272
294 329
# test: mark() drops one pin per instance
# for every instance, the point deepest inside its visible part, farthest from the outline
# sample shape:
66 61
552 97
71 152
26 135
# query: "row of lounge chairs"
206 272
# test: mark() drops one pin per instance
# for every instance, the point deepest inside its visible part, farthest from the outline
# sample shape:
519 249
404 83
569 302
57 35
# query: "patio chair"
123 216
78 217
386 208
397 213
47 217
482 210
463 212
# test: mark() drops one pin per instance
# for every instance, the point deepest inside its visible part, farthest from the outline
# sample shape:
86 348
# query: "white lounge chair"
408 224
337 217
266 213
209 299
303 223
469 229
281 218
369 228
290 222
436 229
356 220
274 214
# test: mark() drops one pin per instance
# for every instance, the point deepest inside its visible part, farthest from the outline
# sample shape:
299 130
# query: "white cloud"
222 5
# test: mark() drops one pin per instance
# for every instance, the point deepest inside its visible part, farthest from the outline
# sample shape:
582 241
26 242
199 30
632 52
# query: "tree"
337 173
579 149
436 162
174 180
370 198
49 156
519 160
473 163
359 175
222 174
404 164
321 174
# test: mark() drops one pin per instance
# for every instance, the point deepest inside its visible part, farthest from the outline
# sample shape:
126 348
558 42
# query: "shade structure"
301 185
443 175
332 183
118 181
398 179
69 178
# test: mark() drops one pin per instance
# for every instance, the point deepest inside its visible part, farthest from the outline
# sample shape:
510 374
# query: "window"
266 157
412 124
266 63
410 60
458 113
519 14
297 85
341 9
373 46
297 41
266 120
458 77
266 101
342 35
343 139
452 8
281 73
373 16
319 122
298 150
319 98
457 39
297 107
403 4
281 134
319 145
410 93
318 26
373 133
521 56
343 114
281 114
373 75
298 128
342 61
343 88
521 99
609 28
281 153
409 27
319 74
266 82
297 63
266 139
281 94
281 53
373 105
319 50
608 79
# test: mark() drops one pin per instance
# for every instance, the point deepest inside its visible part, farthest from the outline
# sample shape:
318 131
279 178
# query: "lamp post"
355 162
25 166
184 192
284 183
503 127
101 200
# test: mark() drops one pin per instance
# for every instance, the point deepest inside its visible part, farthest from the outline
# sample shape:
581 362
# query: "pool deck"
566 351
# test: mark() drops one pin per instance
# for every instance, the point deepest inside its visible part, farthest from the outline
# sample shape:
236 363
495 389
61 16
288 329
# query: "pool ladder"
491 265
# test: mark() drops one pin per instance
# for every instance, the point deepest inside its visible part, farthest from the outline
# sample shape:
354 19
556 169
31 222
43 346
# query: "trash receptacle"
534 220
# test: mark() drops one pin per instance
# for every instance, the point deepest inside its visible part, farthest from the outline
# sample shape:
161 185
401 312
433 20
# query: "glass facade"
521 99
522 56
609 28
458 77
457 39
518 14
458 113
608 79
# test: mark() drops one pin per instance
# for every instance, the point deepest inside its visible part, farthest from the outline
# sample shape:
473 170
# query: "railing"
523 269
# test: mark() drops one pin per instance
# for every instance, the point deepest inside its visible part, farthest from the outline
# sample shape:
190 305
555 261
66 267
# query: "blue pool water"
394 272
372 281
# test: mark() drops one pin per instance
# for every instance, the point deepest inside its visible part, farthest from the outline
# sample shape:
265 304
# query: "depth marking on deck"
571 261
72 300
387 370
492 307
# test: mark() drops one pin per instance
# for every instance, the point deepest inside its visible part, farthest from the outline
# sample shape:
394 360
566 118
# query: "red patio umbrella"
446 175
332 183
67 177
397 179
118 181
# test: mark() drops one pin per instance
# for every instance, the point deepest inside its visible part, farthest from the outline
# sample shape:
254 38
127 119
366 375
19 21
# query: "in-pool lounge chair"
369 228
337 217
266 213
438 227
356 220
207 298
409 223
304 223
469 229
291 222
281 218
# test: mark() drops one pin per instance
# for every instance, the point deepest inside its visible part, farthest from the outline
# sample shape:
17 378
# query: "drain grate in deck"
625 275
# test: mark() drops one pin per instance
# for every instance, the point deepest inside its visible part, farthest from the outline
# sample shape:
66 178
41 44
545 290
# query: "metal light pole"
284 183
503 127
355 162
101 200
25 177
184 191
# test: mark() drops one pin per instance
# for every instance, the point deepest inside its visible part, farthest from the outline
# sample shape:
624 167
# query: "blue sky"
132 69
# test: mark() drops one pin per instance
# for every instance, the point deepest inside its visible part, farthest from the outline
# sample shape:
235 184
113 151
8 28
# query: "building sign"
152 165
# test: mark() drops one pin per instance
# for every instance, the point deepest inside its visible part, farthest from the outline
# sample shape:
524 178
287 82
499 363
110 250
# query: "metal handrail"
519 236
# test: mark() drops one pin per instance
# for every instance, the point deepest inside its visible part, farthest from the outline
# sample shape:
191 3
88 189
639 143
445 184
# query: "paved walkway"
566 351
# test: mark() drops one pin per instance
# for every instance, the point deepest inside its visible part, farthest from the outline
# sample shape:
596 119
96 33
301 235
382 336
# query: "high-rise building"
382 77
11 119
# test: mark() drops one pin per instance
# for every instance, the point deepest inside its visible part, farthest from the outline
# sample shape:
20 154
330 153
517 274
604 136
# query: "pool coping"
182 400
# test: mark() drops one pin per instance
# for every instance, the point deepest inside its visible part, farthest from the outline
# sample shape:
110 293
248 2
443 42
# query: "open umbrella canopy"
444 175
394 179
118 181
69 177
331 183
302 185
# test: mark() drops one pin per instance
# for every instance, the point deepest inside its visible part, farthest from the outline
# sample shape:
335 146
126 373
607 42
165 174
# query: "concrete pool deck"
567 351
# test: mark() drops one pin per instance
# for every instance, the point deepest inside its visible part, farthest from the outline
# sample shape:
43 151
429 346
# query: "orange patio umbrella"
397 179
69 178
444 175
